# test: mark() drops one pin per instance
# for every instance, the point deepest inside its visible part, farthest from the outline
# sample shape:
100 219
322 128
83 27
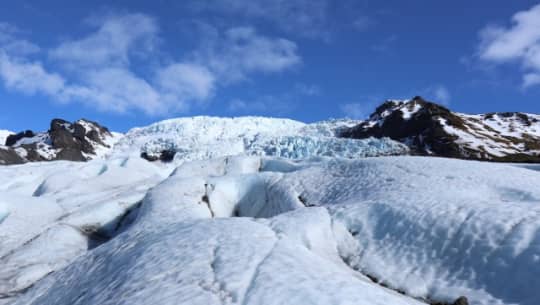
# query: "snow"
408 112
199 138
311 222
495 133
50 211
3 136
260 230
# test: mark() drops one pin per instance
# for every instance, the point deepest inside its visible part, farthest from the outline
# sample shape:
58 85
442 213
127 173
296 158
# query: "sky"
128 63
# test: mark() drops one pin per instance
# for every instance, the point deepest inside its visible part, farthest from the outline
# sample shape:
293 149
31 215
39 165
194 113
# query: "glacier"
197 138
291 217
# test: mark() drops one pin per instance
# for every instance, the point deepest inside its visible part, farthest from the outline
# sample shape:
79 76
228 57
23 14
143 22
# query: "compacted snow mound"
197 138
178 252
52 212
3 136
252 230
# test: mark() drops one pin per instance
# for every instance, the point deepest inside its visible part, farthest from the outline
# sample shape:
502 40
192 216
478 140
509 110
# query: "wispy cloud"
11 44
29 77
437 93
265 104
97 69
355 110
308 18
363 23
518 43
112 43
307 89
239 51
384 45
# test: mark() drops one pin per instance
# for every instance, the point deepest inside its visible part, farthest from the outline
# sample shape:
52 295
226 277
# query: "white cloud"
117 89
518 43
439 93
307 89
262 105
307 18
13 46
238 105
531 79
241 50
112 43
363 23
99 73
354 110
29 77
187 80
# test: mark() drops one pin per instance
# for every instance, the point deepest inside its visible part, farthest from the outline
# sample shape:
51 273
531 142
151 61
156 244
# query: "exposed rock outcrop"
431 129
78 141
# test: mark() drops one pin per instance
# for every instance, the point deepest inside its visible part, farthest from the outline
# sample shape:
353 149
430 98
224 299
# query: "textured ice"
284 222
49 213
254 230
301 147
199 138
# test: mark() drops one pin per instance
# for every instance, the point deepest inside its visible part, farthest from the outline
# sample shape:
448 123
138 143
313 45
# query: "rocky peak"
431 129
74 141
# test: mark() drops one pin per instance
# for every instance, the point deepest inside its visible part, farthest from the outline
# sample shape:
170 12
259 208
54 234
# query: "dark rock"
94 136
164 156
425 134
148 157
461 301
14 138
8 156
167 155
70 154
63 141
79 132
422 130
57 124
62 138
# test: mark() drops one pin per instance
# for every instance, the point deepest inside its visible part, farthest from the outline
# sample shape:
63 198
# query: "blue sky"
130 63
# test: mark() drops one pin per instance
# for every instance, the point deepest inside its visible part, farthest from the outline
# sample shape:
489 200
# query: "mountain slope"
431 129
78 141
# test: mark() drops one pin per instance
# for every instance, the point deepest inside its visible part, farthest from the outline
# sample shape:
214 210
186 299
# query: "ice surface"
199 138
50 212
277 231
288 219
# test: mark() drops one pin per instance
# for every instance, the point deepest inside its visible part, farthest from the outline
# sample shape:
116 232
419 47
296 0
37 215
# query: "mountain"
81 140
431 129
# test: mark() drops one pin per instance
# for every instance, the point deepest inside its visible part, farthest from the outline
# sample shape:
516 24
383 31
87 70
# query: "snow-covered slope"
252 230
3 136
432 129
197 138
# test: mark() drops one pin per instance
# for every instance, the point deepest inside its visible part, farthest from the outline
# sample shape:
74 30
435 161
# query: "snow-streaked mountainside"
432 129
267 211
81 140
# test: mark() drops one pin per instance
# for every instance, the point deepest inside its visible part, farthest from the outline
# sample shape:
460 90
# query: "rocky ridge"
81 140
434 130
